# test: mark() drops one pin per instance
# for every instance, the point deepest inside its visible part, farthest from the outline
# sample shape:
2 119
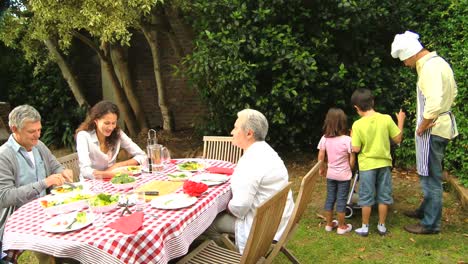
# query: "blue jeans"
337 191
375 186
431 185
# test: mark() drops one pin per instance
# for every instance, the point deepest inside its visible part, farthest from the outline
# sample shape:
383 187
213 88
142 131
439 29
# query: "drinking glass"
154 152
140 200
166 156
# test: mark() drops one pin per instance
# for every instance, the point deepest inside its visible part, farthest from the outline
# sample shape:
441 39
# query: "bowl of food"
179 176
61 204
103 202
123 181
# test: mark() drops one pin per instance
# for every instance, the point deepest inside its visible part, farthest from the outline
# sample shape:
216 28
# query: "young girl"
335 146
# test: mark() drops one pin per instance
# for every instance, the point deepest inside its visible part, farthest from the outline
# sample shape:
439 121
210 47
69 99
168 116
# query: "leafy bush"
293 60
48 93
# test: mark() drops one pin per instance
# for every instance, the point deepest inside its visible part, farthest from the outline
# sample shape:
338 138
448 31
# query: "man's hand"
68 175
55 180
425 124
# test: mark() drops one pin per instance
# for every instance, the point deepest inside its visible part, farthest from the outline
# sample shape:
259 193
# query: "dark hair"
335 123
96 112
363 99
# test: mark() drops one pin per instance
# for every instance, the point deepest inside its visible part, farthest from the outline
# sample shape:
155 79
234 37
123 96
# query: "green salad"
81 217
121 178
179 175
104 199
190 166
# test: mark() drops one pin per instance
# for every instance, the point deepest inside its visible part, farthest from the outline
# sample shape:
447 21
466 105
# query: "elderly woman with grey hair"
27 167
259 174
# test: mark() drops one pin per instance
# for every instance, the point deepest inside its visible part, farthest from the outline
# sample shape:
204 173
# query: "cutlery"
151 193
73 186
70 225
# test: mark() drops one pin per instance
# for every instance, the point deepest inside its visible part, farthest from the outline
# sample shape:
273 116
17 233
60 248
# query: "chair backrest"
264 226
302 201
71 162
221 148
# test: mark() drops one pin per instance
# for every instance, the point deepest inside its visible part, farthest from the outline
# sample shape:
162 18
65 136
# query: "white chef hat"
405 45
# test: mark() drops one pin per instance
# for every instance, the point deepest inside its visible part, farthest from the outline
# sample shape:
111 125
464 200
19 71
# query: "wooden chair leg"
289 255
228 242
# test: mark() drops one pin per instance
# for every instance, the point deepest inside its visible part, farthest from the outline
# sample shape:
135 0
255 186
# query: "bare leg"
329 217
341 220
366 212
383 209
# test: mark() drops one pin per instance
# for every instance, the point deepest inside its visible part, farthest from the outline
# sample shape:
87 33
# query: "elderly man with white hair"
27 167
259 174
436 92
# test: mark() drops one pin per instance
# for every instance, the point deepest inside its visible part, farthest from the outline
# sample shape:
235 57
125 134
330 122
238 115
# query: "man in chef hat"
435 125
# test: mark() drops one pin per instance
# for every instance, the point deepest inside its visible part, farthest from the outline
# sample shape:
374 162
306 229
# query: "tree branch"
88 42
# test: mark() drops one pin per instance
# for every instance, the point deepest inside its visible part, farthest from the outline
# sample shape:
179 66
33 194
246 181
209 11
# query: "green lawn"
312 244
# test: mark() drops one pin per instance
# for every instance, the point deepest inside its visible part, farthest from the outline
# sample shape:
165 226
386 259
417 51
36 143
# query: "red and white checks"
165 234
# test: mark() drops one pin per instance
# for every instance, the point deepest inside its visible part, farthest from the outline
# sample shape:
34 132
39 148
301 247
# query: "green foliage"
293 60
47 92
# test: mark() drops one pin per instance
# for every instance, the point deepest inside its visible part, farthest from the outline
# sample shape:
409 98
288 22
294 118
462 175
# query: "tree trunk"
121 100
151 35
108 67
67 72
119 59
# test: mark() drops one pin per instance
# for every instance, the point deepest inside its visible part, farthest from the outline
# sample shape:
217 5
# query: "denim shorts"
375 186
337 191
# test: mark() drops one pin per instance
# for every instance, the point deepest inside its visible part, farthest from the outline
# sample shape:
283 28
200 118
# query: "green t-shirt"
373 134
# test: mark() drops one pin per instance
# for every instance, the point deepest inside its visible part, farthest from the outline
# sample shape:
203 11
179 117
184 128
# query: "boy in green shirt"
371 136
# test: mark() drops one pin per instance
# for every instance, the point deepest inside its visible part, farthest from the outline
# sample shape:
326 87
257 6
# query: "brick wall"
182 100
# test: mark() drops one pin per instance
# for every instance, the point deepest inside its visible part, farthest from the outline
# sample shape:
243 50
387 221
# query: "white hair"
22 114
254 120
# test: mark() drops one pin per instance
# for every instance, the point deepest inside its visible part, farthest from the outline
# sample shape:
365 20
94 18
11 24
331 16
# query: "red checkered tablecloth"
165 234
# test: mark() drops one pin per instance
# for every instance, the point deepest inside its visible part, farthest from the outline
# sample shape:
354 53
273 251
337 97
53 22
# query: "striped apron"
422 142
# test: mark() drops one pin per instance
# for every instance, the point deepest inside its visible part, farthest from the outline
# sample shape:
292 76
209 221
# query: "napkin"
220 170
128 224
194 188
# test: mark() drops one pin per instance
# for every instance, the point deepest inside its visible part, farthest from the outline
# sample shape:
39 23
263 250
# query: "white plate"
179 176
210 179
200 165
130 170
173 201
58 224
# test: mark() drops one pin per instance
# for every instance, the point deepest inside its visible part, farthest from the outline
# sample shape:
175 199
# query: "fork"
70 225
73 186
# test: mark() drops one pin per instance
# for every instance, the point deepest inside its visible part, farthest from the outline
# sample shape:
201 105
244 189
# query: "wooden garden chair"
71 162
265 223
302 201
221 148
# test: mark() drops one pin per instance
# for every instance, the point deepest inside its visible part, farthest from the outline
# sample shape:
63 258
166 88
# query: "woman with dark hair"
98 142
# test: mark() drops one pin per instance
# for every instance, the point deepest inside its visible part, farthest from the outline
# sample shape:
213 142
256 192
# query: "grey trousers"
223 223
